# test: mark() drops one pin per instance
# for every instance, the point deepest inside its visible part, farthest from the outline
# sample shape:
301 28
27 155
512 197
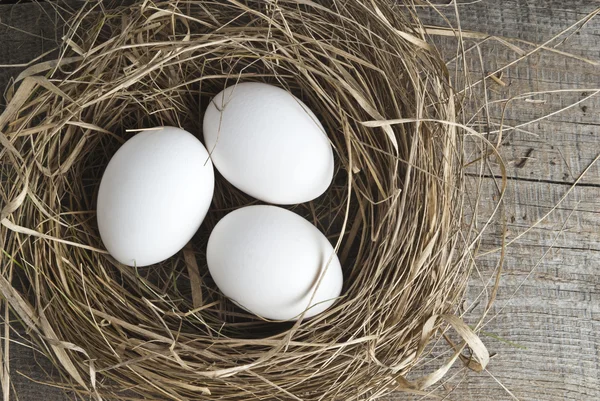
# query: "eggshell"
153 196
268 144
268 260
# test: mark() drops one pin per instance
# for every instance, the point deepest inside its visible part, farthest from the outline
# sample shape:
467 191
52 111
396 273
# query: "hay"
394 211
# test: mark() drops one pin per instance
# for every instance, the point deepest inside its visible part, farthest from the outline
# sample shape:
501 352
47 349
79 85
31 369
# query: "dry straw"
394 212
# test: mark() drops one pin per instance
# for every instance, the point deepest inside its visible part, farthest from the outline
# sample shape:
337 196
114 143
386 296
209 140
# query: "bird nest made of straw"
393 212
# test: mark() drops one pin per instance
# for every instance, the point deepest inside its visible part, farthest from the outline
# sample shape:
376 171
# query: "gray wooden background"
545 333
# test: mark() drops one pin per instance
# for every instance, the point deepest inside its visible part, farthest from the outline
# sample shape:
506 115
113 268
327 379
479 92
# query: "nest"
394 210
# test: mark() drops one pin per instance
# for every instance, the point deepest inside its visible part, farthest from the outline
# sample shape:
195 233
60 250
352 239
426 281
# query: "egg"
154 194
268 144
269 261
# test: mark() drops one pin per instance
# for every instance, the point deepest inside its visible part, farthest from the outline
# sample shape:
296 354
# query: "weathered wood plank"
561 145
26 31
548 305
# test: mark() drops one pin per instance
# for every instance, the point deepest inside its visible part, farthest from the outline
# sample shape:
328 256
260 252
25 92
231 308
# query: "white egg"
153 196
269 261
267 143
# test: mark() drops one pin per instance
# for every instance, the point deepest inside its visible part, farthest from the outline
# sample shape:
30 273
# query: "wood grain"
545 329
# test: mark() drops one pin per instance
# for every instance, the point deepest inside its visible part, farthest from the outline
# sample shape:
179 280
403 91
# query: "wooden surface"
545 330
549 301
